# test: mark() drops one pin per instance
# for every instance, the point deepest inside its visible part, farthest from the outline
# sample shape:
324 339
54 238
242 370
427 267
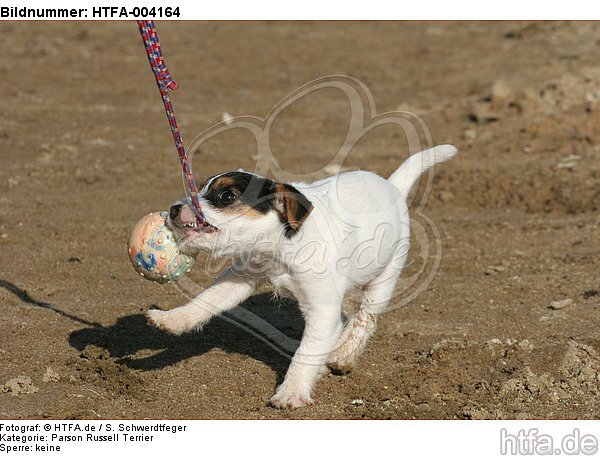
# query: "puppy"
316 241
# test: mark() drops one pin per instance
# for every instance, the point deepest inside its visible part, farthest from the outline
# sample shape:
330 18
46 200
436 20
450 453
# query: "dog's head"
243 211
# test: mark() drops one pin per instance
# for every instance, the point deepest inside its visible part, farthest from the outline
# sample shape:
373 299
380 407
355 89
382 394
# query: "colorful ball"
153 251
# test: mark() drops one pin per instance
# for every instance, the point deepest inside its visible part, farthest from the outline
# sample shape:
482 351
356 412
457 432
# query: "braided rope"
166 84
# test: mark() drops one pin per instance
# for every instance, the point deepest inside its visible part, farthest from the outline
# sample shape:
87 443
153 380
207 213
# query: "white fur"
357 236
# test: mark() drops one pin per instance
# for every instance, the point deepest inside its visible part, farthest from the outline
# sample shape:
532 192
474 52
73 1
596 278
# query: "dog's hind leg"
361 326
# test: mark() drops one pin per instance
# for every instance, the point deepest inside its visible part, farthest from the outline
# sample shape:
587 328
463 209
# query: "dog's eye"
227 197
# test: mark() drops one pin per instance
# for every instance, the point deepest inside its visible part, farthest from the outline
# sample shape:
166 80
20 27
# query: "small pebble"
556 305
357 402
493 269
51 376
566 165
469 134
446 196
501 92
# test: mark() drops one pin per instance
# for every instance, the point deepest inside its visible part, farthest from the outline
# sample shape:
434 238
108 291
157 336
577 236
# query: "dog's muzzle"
176 214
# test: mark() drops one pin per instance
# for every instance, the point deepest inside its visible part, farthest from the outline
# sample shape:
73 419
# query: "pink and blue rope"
166 84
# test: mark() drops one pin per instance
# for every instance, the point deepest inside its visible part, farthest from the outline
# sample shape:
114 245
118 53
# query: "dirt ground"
85 152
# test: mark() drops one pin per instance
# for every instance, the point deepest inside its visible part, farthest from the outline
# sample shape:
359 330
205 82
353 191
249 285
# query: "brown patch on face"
224 182
240 208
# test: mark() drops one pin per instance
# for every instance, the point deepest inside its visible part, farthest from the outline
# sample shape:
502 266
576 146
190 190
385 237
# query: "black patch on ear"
294 208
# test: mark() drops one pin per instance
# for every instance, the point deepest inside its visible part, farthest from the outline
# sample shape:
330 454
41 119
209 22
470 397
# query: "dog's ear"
293 207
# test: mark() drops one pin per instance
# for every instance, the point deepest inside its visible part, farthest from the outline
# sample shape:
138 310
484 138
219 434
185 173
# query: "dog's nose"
175 210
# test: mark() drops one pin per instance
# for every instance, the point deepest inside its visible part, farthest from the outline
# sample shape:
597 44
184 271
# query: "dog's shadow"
132 334
264 328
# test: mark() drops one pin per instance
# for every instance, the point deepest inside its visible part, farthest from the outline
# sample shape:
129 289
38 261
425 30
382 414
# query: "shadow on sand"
229 332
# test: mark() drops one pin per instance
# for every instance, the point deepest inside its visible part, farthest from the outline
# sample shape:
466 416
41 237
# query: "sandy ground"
85 152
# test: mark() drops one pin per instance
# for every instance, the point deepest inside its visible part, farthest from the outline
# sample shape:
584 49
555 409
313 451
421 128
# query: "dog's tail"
405 176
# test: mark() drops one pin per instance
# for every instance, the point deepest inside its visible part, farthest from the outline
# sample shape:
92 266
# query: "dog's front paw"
290 400
171 321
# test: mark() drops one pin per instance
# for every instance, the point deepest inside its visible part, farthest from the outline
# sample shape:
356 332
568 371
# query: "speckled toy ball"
153 251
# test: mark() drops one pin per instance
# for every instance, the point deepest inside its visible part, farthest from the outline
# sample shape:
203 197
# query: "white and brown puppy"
314 240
